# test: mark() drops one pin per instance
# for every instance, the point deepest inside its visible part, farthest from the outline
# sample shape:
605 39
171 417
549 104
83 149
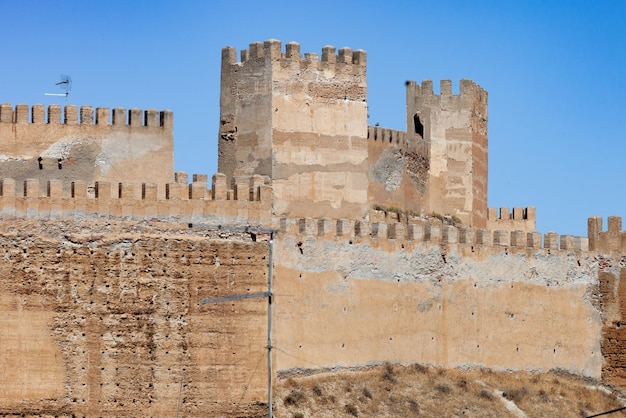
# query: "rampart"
104 317
70 143
407 290
248 203
523 219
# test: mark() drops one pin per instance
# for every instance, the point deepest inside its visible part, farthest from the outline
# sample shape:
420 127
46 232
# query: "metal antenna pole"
267 295
180 394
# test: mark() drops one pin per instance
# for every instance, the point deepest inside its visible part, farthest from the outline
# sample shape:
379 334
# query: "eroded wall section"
612 300
115 146
346 300
398 170
105 319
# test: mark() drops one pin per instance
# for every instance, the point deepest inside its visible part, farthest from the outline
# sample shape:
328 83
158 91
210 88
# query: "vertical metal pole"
180 394
269 329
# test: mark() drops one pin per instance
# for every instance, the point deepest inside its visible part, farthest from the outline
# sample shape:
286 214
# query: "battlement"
466 87
72 115
386 135
345 60
519 219
380 229
611 240
398 139
247 203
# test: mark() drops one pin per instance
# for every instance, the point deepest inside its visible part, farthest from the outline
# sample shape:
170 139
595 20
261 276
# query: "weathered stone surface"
107 319
135 152
359 303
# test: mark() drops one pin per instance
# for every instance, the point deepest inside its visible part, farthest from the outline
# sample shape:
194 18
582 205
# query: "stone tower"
455 129
300 120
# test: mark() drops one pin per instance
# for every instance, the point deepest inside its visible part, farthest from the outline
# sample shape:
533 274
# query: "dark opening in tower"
419 126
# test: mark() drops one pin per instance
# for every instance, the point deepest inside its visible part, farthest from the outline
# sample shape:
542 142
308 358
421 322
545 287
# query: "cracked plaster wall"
346 303
87 152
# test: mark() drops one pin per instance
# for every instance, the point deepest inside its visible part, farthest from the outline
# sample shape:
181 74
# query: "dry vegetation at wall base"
425 391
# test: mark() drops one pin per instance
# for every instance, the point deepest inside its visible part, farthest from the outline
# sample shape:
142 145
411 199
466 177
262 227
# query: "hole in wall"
418 125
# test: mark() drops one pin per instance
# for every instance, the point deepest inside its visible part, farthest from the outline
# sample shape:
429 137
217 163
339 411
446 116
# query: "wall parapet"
344 60
519 219
611 240
432 231
248 203
72 115
398 139
467 88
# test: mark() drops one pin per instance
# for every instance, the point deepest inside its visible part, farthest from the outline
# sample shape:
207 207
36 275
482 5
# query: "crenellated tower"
301 120
454 127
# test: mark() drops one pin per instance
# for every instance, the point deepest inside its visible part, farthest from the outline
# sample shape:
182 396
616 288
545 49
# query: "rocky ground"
424 391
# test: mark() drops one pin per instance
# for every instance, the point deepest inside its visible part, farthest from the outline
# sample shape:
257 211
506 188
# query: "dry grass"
422 391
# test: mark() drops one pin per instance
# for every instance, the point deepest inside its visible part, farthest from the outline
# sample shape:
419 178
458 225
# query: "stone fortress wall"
247 204
72 144
381 244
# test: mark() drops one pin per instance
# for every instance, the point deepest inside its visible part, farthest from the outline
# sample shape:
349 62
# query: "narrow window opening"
419 126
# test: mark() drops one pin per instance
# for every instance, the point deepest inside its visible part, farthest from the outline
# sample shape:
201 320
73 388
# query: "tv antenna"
65 84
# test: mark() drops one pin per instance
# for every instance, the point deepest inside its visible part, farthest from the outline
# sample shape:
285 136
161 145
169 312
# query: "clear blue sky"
554 72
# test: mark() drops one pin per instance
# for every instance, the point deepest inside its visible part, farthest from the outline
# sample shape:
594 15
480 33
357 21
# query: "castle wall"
455 127
350 294
112 286
91 146
612 288
398 170
611 244
105 319
103 314
248 204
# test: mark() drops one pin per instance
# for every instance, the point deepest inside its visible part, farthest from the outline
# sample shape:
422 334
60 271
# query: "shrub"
388 373
443 388
515 395
352 410
485 394
420 368
294 397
